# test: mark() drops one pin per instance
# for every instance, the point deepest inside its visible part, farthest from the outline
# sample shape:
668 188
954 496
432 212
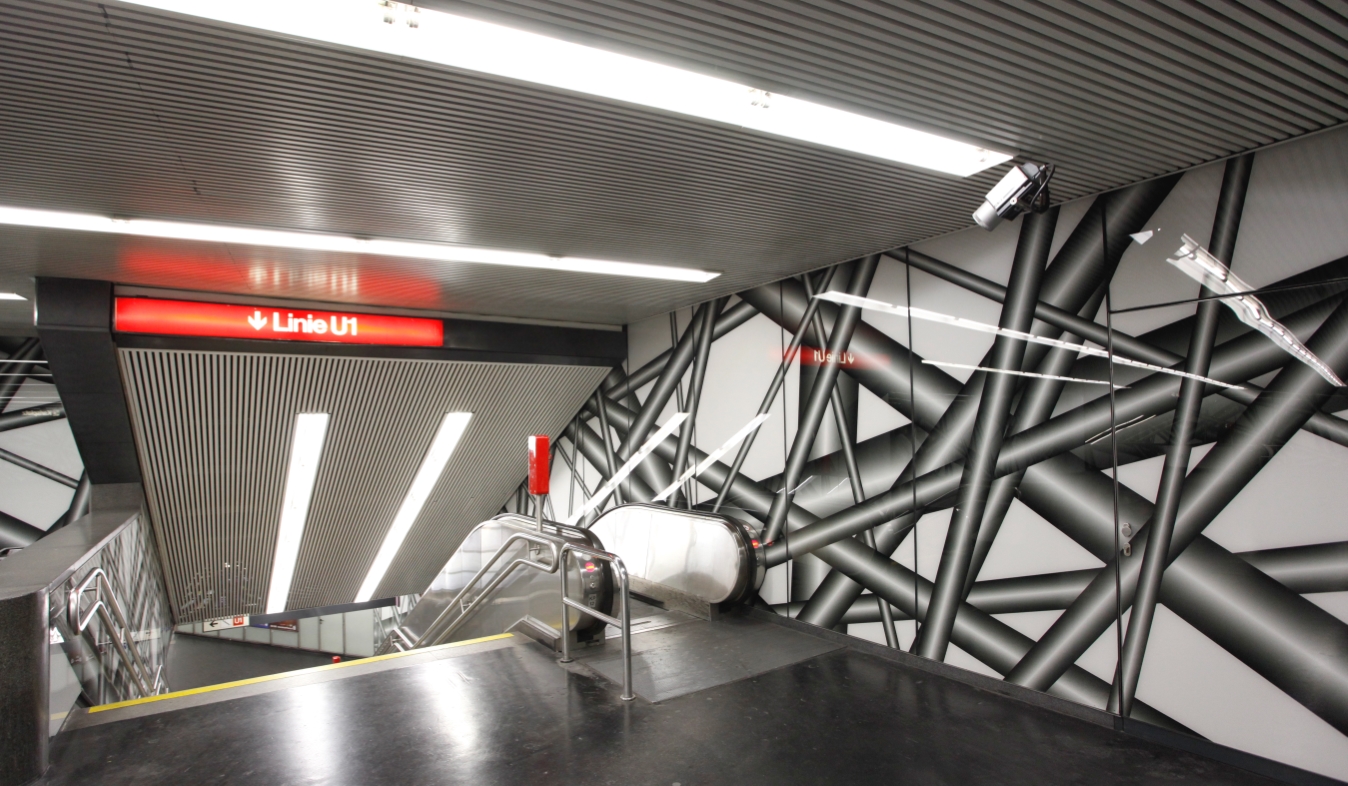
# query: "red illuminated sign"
811 356
221 320
538 464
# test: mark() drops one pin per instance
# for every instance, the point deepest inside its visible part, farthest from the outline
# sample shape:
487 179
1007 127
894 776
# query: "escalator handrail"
560 547
432 636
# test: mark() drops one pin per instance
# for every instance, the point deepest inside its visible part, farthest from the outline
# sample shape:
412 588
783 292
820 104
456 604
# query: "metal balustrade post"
623 621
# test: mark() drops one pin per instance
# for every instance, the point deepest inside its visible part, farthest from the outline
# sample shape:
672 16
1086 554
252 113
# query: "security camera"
1025 187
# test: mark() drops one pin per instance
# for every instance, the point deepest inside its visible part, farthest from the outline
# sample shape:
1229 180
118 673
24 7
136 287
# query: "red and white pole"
539 473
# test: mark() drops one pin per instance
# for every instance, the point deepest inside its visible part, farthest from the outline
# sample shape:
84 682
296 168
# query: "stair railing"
558 549
107 608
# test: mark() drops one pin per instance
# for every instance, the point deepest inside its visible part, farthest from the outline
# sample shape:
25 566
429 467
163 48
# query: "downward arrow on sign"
257 320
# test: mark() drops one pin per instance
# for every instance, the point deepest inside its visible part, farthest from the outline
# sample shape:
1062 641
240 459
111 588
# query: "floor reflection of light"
454 715
449 694
314 750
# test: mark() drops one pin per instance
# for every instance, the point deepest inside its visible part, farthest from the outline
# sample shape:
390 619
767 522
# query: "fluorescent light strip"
442 447
845 299
275 238
305 450
472 45
943 364
1197 263
713 457
11 296
645 450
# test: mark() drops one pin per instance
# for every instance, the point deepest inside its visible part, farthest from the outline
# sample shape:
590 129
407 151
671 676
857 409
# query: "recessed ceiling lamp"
11 296
305 450
459 42
442 447
313 241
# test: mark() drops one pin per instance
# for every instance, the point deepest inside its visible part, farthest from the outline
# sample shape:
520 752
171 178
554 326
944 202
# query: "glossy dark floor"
512 715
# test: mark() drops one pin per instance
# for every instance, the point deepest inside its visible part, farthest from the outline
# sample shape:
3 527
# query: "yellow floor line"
285 674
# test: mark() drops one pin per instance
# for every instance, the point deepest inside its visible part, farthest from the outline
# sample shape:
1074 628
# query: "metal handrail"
403 636
462 596
559 547
541 539
624 622
119 631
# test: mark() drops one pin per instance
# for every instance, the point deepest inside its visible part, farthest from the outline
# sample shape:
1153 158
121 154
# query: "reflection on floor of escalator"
646 618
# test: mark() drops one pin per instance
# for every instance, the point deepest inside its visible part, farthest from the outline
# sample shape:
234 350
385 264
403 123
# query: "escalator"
506 575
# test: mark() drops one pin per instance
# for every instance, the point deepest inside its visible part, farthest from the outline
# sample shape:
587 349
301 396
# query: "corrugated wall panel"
214 433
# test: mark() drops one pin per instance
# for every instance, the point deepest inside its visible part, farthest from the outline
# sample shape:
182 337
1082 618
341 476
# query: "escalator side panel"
706 556
525 592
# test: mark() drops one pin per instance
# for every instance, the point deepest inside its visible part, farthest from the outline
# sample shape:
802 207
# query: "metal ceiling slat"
1314 17
297 133
743 44
214 433
1203 62
897 227
473 84
1009 77
820 201
980 115
616 205
967 52
984 86
1292 52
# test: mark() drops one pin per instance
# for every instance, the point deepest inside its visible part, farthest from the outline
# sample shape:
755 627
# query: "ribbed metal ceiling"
119 110
214 433
1113 92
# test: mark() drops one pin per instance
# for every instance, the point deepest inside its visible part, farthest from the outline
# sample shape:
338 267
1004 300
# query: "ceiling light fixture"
1197 263
712 457
314 241
305 450
472 45
845 299
11 296
647 448
433 464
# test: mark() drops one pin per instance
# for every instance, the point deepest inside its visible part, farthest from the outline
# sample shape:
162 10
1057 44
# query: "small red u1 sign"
538 464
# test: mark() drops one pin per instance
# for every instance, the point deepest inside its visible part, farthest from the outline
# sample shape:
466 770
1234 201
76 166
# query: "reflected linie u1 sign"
222 320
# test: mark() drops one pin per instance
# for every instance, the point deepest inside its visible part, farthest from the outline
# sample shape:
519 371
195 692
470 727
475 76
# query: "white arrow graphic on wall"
257 320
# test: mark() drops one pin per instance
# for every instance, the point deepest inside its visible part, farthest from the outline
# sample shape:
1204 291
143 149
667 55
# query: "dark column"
1036 236
788 357
938 403
74 321
814 407
1249 355
1230 204
1036 406
23 687
668 381
689 426
808 571
1285 405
